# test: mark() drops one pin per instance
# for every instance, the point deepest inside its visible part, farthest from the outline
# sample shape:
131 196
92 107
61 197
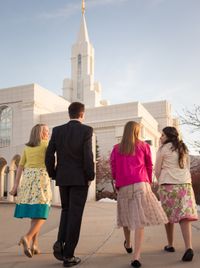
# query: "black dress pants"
73 200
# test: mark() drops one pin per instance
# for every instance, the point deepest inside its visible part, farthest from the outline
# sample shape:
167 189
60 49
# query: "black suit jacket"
73 164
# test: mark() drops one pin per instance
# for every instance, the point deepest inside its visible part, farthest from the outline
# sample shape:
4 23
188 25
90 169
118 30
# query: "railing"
4 142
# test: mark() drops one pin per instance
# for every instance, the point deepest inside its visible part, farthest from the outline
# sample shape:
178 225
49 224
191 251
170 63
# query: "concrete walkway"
101 244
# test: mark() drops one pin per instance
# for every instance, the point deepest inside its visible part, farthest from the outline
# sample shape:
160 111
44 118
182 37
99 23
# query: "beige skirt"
137 206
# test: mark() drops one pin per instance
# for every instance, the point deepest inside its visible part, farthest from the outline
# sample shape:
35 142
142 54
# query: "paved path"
100 246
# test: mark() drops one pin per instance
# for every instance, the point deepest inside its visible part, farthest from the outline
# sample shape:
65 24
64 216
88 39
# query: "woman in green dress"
34 191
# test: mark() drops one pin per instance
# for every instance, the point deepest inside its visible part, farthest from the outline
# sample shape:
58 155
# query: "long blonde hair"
129 138
36 135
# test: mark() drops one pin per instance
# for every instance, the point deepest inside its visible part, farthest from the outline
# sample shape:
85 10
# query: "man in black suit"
73 170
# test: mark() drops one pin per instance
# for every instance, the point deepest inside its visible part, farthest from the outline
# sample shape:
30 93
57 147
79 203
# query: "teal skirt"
33 211
34 195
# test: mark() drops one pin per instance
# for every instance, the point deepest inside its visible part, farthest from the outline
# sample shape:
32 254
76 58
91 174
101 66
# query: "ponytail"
177 144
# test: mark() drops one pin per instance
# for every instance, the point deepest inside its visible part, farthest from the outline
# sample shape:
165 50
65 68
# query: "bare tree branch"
192 119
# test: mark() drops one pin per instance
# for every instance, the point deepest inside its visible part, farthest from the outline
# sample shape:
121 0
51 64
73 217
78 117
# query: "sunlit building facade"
21 107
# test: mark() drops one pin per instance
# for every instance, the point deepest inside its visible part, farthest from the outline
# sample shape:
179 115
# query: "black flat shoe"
136 263
58 250
169 249
188 255
128 250
71 261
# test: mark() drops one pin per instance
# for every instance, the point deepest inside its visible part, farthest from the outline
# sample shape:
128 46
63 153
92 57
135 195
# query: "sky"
145 50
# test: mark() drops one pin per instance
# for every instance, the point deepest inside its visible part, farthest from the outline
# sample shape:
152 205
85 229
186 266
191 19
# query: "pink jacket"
130 169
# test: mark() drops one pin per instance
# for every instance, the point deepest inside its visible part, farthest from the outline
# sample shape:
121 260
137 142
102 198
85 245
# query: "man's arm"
88 156
50 157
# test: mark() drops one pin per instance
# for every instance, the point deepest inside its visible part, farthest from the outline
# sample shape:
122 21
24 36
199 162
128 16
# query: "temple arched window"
5 126
79 78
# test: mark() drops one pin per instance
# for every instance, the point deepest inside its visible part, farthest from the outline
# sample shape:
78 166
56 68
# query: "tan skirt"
137 206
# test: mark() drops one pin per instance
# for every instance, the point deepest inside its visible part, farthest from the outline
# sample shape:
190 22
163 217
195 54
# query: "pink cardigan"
130 169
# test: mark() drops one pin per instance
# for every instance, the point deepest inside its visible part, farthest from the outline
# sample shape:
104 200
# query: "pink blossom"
170 202
190 203
182 193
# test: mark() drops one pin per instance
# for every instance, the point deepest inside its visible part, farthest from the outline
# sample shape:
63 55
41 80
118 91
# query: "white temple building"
22 107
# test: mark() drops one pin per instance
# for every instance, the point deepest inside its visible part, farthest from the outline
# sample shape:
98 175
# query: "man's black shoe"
71 261
58 250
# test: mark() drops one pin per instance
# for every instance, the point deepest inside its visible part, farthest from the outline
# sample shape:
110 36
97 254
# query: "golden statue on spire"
83 7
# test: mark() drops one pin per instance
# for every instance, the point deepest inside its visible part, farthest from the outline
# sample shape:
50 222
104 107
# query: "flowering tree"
105 186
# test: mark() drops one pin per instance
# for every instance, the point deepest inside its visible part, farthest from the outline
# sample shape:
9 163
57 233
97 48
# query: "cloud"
122 82
72 8
95 3
66 11
128 78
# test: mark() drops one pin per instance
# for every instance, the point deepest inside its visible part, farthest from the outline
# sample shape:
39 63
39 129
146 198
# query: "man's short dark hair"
75 109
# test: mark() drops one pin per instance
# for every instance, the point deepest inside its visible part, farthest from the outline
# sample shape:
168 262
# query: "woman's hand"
13 191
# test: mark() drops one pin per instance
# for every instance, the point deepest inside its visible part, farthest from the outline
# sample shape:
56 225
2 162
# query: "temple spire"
83 33
83 7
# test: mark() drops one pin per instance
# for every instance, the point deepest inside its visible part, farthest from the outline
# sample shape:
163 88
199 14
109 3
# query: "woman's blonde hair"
36 135
129 138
